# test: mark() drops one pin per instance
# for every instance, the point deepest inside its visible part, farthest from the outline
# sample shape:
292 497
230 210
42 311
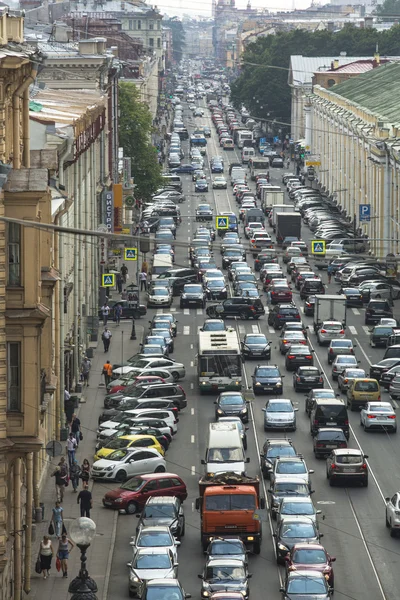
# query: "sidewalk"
101 551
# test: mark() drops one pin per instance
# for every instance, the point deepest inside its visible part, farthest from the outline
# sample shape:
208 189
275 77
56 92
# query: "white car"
330 330
378 415
150 563
219 183
139 363
155 536
393 513
125 463
159 296
343 362
157 413
252 228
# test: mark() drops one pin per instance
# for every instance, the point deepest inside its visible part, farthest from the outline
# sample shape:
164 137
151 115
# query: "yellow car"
361 391
129 441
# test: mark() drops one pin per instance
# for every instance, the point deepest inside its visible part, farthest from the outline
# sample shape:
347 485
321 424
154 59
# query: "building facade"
355 130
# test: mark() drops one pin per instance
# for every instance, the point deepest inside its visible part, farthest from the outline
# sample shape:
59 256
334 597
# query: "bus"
219 362
258 165
198 140
244 136
232 223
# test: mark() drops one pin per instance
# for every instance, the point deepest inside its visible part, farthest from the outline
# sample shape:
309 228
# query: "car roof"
334 429
278 442
347 451
162 500
148 476
329 401
234 562
153 550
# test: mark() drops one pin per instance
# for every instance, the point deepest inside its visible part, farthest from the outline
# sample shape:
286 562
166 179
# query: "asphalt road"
352 519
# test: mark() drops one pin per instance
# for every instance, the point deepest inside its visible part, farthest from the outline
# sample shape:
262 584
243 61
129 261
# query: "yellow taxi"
361 391
129 441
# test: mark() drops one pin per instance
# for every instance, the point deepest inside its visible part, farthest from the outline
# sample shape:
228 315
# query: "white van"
161 264
247 154
225 450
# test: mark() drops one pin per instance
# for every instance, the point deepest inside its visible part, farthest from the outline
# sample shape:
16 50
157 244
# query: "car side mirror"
312 491
262 503
138 516
311 471
203 462
337 395
318 512
215 402
366 456
321 535
129 564
354 345
249 575
188 595
333 558
197 504
200 576
282 590
248 459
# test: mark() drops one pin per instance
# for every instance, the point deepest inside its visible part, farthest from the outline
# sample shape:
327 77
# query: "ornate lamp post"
82 532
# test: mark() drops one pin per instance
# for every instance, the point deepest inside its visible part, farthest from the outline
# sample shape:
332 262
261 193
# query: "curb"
110 556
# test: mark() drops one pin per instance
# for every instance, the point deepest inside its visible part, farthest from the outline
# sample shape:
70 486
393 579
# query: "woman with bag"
45 556
85 471
64 548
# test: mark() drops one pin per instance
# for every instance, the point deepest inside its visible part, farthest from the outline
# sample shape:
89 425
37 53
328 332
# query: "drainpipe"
17 530
387 244
22 92
28 522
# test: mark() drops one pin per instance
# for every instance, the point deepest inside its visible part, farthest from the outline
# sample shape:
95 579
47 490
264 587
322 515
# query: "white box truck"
329 308
278 208
272 195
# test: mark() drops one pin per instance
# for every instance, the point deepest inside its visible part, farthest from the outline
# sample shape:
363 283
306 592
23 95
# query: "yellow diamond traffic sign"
108 280
222 222
318 247
130 253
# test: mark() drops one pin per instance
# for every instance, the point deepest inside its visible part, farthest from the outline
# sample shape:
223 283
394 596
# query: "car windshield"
223 547
288 488
353 373
155 512
330 435
133 485
346 360
267 372
297 530
224 573
279 407
227 400
154 539
383 330
160 292
307 586
230 502
379 408
193 289
215 283
291 468
223 455
256 339
118 444
164 592
348 459
118 455
297 508
332 326
152 561
309 556
342 343
326 394
275 451
366 386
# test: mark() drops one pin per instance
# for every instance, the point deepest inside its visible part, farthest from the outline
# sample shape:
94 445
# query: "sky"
197 7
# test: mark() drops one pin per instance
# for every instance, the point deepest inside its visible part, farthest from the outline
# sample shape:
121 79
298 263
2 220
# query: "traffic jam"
262 403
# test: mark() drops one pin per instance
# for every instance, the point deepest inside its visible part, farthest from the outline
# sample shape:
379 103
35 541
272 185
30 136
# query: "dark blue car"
184 169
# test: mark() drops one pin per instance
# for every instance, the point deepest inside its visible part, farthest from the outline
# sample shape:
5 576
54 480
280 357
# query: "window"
14 376
158 42
151 42
151 25
139 24
158 24
14 247
130 24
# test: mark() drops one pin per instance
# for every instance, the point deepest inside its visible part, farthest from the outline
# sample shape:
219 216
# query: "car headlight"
266 347
134 579
205 593
283 548
118 500
258 383
220 412
244 410
279 384
223 290
109 468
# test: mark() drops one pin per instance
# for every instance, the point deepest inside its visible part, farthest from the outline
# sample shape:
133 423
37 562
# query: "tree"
178 37
135 129
389 8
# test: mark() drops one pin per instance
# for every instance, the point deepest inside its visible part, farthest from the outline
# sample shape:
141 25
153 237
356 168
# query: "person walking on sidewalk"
46 555
124 295
85 471
118 313
107 372
105 311
106 337
61 480
124 273
71 448
85 370
86 501
119 283
143 281
57 518
74 474
330 272
76 428
64 548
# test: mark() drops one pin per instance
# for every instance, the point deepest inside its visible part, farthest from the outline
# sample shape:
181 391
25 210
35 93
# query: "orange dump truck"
229 505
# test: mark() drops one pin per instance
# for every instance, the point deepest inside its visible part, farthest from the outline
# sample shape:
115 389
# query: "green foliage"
390 8
178 37
135 128
267 83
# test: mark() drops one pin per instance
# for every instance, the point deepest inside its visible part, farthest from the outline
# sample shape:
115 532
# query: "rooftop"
302 68
376 90
358 66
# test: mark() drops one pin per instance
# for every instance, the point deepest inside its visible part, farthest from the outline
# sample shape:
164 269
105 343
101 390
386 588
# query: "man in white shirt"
71 447
105 310
106 337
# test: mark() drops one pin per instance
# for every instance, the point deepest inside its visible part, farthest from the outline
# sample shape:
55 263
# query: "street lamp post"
83 587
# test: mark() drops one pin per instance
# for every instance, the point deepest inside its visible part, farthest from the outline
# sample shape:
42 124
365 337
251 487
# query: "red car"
133 494
280 293
137 382
311 557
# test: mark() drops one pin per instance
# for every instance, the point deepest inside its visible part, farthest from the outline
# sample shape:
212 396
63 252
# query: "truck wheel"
257 547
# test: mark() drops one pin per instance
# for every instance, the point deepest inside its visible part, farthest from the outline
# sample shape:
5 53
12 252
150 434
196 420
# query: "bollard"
133 332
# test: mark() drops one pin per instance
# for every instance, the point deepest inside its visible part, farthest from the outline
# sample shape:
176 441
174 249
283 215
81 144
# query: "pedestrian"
69 406
57 518
74 473
105 311
46 555
76 428
124 273
64 548
330 271
85 471
117 313
124 295
85 370
288 163
61 481
145 267
106 337
119 283
143 281
107 372
71 447
85 500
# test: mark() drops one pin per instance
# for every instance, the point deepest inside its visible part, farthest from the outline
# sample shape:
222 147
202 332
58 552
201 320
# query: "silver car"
337 347
347 376
330 330
157 536
378 415
150 563
294 506
394 387
342 362
279 414
288 467
159 296
393 514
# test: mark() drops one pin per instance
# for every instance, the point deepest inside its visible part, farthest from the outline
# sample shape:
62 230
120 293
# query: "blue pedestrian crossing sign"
318 247
108 280
222 222
131 253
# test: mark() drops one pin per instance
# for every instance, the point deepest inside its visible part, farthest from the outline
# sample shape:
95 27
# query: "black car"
309 306
265 256
380 335
245 308
163 510
327 439
216 289
273 449
184 169
232 255
281 313
178 284
291 531
354 297
388 376
310 287
217 167
376 310
267 379
231 404
192 295
298 355
312 396
307 378
201 185
255 345
130 308
204 212
377 370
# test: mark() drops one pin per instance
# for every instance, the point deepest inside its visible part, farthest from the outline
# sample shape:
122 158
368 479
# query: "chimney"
368 22
377 58
114 50
330 26
335 63
101 45
87 47
60 32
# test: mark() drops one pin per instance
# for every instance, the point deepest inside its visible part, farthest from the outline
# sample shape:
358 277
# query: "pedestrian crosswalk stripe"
242 329
352 329
185 311
199 311
271 329
355 311
366 329
186 330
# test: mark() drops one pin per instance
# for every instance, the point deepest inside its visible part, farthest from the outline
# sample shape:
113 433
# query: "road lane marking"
200 311
186 330
395 403
355 311
185 311
192 363
366 329
353 330
192 411
302 309
160 311
363 351
242 329
192 439
191 346
193 470
255 328
271 330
